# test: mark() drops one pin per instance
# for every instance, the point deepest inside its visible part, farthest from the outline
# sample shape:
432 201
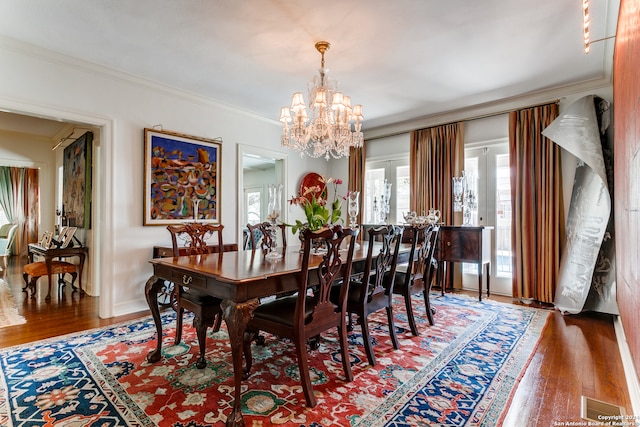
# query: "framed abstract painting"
76 179
181 178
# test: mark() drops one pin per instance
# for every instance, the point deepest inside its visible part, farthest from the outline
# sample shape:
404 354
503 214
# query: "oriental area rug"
460 372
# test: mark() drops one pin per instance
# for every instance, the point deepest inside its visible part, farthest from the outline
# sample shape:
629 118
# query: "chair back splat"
260 236
417 275
194 239
305 315
374 291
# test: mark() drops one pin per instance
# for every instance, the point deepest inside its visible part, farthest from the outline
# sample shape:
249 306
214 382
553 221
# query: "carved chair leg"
32 287
366 338
409 307
25 276
179 315
427 299
392 327
201 333
427 307
303 367
344 349
74 276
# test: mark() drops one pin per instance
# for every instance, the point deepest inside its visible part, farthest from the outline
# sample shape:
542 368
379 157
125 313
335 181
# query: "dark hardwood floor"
577 355
60 316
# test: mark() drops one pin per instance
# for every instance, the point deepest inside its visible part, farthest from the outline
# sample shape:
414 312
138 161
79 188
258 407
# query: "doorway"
102 159
489 163
257 168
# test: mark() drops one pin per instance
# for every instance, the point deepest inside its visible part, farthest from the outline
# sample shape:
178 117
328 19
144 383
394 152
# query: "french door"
490 164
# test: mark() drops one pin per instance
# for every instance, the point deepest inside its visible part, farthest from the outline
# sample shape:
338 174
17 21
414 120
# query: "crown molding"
502 106
93 68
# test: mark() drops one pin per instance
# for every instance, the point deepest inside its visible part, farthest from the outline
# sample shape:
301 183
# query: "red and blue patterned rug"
460 372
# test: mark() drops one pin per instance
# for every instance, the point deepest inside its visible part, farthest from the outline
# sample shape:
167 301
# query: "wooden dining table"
240 279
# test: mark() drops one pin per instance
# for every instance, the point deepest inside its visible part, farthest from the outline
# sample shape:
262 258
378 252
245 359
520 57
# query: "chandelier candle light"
324 129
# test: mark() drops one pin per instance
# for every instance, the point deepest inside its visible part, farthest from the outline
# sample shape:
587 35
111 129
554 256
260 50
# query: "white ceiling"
400 59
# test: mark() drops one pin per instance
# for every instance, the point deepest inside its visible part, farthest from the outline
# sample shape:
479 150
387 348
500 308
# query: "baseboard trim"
627 362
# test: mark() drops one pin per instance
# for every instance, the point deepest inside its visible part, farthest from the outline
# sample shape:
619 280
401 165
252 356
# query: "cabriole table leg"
151 290
236 316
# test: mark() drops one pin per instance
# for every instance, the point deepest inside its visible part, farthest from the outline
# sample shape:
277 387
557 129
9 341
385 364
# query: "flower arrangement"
313 201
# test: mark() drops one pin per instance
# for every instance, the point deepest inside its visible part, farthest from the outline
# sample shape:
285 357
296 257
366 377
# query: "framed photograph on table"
66 236
45 242
181 178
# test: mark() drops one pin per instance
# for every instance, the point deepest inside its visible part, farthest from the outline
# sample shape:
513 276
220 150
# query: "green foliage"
316 211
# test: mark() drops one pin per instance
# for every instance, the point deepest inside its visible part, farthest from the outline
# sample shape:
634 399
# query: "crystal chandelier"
324 127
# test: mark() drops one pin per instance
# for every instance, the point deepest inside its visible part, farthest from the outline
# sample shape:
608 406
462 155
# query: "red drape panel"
26 206
436 155
537 203
357 159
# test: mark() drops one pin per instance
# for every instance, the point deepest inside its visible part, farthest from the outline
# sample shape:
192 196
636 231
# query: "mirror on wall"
257 169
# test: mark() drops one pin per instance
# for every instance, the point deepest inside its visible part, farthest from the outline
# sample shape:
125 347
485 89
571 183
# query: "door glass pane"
503 216
3 217
471 170
403 190
253 207
374 181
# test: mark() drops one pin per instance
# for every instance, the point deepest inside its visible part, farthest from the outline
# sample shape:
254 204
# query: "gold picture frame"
181 178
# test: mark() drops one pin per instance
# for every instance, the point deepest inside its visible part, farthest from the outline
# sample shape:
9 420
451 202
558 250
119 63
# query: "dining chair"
194 239
260 235
418 273
374 290
310 311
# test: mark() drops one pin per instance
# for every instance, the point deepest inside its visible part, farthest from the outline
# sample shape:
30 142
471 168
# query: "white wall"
49 85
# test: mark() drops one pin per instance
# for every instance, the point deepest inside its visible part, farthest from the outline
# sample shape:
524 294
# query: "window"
253 203
3 217
395 172
503 216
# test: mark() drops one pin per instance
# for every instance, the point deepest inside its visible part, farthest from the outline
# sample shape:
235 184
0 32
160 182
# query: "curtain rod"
482 116
62 140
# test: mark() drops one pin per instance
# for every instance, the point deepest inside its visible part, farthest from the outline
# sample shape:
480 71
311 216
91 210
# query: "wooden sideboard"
463 243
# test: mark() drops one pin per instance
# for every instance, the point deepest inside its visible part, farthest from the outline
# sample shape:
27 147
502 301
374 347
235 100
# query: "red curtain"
21 203
357 159
436 155
538 224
